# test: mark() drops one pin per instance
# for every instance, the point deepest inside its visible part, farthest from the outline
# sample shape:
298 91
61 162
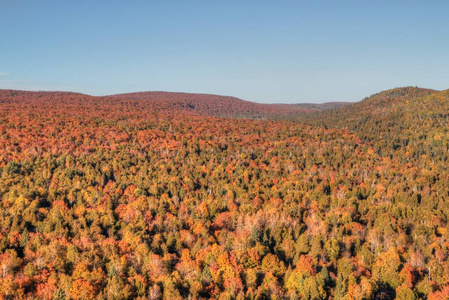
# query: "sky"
262 51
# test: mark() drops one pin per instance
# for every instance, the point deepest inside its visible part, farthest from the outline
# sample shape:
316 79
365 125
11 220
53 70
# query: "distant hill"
211 105
164 103
322 106
216 105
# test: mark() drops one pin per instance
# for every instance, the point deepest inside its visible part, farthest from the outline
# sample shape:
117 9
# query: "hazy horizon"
181 92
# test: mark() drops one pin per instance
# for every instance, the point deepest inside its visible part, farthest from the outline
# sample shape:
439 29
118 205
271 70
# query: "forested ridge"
120 197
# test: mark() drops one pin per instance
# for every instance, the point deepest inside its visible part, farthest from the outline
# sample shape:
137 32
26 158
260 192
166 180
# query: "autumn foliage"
125 197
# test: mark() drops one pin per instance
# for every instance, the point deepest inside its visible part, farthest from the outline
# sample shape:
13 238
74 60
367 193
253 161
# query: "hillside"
158 102
169 103
211 105
121 198
409 120
382 106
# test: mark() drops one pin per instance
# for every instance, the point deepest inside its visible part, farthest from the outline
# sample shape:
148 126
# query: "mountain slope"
156 102
211 105
378 107
402 118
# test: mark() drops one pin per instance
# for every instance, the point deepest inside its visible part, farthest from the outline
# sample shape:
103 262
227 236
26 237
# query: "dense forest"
173 196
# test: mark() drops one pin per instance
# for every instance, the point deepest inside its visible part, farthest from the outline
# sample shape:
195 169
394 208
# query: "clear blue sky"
264 51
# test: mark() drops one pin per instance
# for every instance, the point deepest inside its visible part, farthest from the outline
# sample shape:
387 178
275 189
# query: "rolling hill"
210 105
160 102
408 120
396 103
